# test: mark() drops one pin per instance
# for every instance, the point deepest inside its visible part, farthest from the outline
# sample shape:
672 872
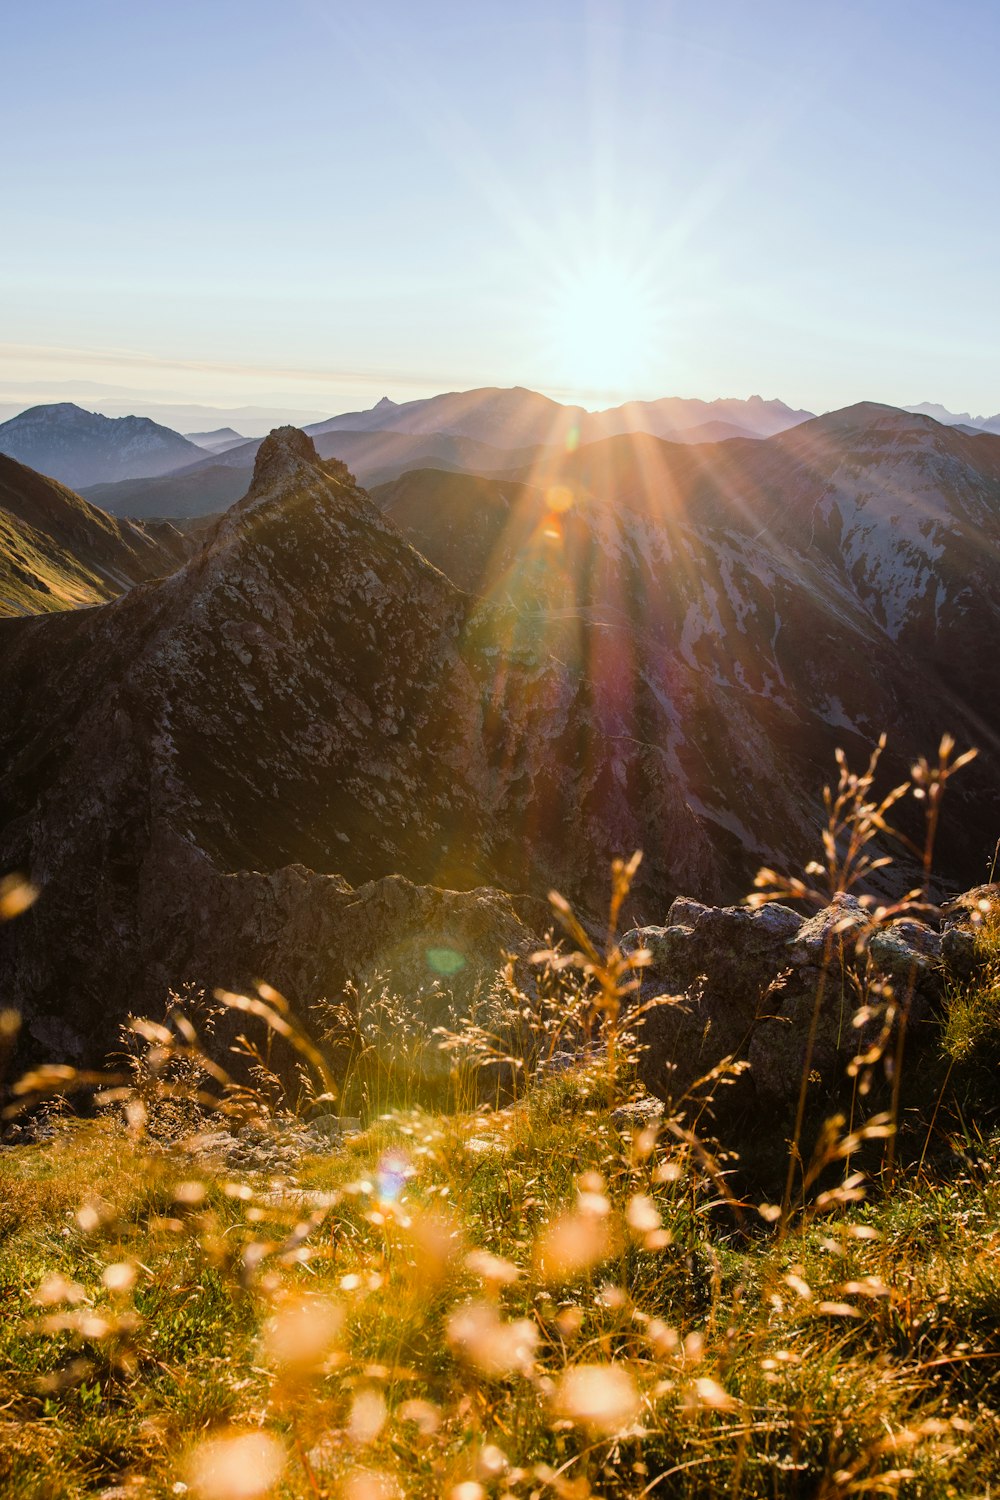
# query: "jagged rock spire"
279 455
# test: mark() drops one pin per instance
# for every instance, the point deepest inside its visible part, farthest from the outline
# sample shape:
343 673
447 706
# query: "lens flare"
236 1466
601 1398
445 961
391 1176
559 498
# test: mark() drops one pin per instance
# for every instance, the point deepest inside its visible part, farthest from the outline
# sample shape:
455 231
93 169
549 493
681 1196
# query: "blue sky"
313 204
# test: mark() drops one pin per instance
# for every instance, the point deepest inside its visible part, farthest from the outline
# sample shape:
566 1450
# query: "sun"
603 329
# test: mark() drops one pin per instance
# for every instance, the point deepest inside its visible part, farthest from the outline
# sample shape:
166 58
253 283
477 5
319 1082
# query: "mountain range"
957 419
352 731
86 450
93 452
216 441
477 431
517 418
120 401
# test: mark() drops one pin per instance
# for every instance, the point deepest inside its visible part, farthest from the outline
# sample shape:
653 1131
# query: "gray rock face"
958 949
308 934
179 765
719 963
753 985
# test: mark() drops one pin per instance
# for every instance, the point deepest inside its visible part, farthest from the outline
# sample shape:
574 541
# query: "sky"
310 205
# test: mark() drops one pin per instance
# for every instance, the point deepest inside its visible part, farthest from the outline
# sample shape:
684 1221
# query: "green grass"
38 576
541 1300
857 1353
971 1035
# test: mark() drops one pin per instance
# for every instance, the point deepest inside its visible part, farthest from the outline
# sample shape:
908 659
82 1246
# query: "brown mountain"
515 417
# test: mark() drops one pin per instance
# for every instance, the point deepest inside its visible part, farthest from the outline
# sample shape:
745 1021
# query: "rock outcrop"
781 994
180 763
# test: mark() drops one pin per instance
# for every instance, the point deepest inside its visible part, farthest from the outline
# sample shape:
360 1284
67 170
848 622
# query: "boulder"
971 907
958 950
776 992
717 964
963 916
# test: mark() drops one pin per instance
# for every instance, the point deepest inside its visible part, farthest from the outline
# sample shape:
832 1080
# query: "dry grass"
542 1299
530 1301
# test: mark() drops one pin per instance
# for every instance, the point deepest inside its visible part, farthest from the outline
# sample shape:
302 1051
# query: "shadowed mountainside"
215 483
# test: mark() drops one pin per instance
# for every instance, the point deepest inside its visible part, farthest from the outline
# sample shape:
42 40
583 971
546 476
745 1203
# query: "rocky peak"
279 461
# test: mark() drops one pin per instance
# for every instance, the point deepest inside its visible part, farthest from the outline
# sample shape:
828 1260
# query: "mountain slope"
81 447
228 719
471 527
201 490
487 683
867 535
58 552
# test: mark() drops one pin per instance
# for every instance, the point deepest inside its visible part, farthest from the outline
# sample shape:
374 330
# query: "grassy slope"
57 551
858 1356
38 576
550 1299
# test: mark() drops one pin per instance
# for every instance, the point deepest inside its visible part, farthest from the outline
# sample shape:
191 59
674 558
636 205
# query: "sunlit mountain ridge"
83 448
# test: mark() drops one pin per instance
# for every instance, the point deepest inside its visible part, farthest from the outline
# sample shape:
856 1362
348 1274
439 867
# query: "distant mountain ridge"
517 417
488 431
218 440
80 447
185 417
955 419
